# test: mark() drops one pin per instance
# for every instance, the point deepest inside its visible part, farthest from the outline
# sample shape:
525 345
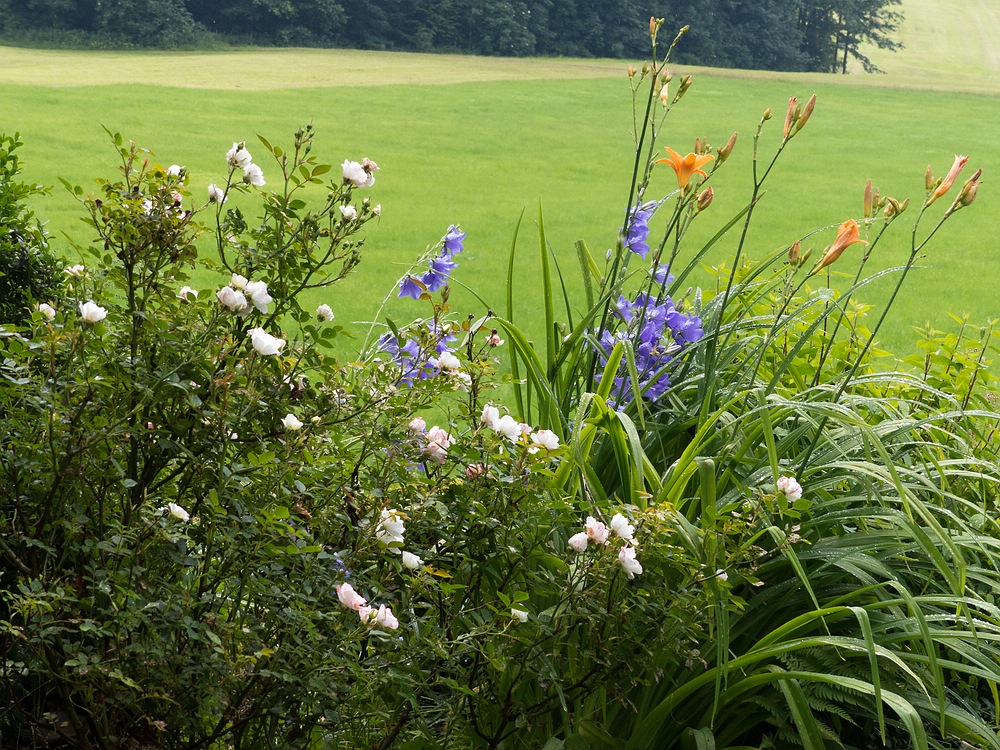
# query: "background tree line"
819 35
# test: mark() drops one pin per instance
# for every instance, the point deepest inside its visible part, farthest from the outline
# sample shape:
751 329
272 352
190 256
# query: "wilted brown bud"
929 182
806 113
631 71
726 150
705 198
795 254
868 199
790 114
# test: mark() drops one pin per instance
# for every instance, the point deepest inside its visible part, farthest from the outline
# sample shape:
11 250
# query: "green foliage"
741 531
28 271
856 608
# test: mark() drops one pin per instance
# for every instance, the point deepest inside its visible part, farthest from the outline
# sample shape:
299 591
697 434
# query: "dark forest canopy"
819 35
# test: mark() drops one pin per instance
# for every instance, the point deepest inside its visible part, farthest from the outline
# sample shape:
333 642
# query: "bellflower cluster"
637 232
414 361
658 331
439 267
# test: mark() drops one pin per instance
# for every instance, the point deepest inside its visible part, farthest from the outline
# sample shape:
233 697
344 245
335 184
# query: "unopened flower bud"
664 95
767 115
726 150
929 183
653 26
790 115
705 198
685 85
806 113
631 71
645 68
968 194
795 254
868 200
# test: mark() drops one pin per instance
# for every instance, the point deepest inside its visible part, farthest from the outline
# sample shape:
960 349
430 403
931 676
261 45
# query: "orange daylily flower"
949 178
686 166
847 235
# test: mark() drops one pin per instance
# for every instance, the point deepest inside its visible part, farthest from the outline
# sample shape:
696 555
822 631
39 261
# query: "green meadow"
476 142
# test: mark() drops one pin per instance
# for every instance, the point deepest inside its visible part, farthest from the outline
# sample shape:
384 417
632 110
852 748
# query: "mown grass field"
478 141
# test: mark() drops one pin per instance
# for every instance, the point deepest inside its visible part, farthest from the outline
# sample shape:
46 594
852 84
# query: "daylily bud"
664 95
806 113
645 68
968 194
652 27
685 85
726 150
631 71
705 198
790 115
868 199
767 115
795 254
928 179
666 77
949 179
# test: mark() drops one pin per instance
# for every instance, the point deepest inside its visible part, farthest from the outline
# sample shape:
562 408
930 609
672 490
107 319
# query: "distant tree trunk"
847 47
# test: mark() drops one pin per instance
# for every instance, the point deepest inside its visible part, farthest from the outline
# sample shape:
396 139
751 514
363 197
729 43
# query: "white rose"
324 313
47 310
411 561
91 312
231 299
264 343
350 213
291 422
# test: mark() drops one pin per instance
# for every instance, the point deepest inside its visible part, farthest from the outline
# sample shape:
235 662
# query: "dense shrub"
29 272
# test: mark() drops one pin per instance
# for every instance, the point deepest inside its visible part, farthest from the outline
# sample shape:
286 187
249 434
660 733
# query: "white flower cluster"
361 175
239 158
517 432
234 297
595 531
371 617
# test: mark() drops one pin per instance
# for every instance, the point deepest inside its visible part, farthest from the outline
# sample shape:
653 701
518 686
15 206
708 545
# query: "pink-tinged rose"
545 439
438 443
350 598
231 299
381 618
417 425
791 489
474 471
597 532
627 559
578 542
